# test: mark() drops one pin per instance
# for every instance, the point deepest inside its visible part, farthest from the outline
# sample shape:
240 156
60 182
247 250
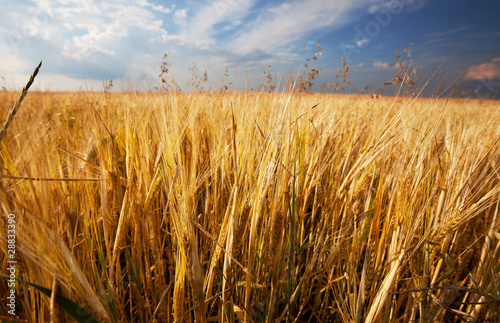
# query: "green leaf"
73 309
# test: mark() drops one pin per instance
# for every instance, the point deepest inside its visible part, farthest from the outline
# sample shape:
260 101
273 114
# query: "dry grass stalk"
17 104
379 301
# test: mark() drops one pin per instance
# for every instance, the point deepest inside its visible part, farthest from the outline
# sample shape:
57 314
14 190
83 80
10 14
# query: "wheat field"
252 207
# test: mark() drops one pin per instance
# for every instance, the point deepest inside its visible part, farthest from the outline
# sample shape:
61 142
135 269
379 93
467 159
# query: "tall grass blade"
73 309
17 104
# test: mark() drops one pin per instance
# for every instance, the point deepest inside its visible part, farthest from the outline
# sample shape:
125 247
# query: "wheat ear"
17 104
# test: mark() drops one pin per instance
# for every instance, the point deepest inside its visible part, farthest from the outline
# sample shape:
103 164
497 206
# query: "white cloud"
83 39
397 5
117 36
104 31
361 42
180 16
283 24
381 65
97 39
81 28
160 8
51 81
200 28
15 63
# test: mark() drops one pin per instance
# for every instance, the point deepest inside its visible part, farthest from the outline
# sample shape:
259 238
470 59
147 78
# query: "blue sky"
83 43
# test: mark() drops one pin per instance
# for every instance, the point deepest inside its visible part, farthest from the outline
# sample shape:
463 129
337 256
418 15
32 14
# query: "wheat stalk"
17 104
137 245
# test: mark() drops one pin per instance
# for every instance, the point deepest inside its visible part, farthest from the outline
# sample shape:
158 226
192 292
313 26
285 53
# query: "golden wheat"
256 207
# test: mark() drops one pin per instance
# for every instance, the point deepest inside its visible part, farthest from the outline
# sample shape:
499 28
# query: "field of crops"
256 207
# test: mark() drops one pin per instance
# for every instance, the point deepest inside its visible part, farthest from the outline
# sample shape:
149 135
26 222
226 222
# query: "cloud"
97 39
382 65
106 27
159 8
447 32
361 42
490 71
408 5
441 36
91 39
281 25
102 39
180 16
202 25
